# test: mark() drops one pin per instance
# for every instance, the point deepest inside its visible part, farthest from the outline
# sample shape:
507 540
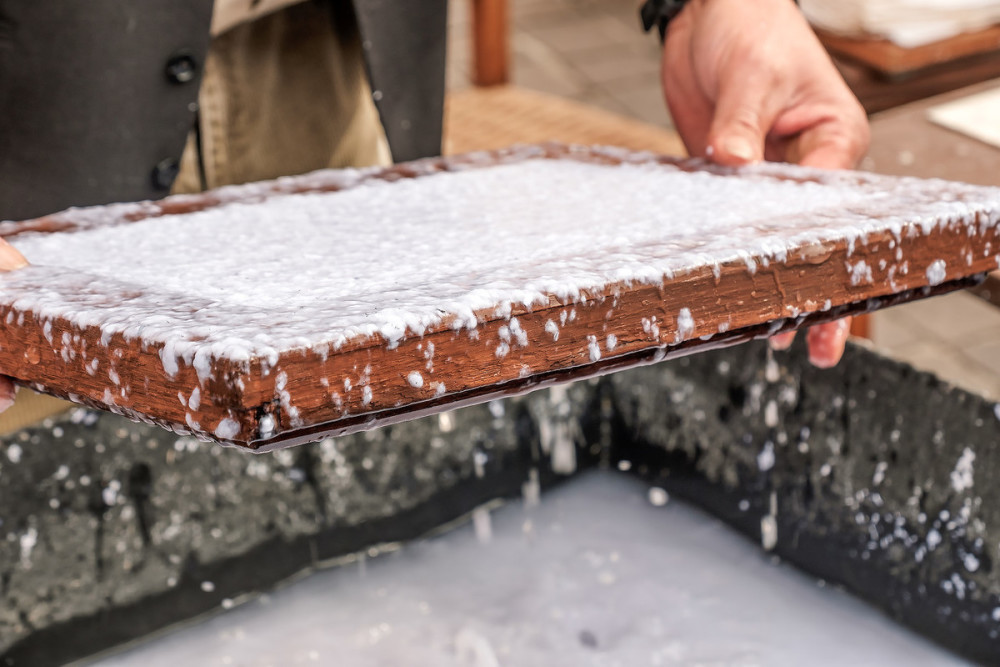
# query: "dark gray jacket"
97 96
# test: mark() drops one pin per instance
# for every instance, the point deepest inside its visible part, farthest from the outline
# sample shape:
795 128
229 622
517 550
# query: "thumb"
741 123
10 257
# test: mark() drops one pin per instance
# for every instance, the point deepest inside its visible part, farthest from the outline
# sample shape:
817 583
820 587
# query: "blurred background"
590 51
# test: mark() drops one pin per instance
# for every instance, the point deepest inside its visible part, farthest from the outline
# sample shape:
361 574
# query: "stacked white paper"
974 116
908 23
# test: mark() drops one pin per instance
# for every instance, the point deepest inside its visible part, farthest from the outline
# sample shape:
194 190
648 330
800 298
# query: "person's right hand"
10 260
748 81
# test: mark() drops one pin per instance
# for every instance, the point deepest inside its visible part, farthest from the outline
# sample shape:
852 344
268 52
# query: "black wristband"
660 13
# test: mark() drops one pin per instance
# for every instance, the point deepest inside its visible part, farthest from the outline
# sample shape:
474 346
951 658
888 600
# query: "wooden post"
490 42
861 326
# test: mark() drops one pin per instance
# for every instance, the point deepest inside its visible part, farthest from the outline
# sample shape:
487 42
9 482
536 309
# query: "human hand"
10 259
747 81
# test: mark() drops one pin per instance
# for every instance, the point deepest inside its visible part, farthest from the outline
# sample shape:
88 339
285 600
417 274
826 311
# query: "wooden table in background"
884 75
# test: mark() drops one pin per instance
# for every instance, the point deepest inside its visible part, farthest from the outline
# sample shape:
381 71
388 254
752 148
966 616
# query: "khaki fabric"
284 94
30 408
229 13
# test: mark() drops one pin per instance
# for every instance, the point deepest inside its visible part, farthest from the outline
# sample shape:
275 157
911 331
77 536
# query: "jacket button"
181 68
165 173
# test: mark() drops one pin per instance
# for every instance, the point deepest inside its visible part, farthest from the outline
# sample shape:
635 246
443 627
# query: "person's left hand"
10 260
748 81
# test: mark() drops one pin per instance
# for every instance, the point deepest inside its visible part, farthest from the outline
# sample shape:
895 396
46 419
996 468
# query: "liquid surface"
605 571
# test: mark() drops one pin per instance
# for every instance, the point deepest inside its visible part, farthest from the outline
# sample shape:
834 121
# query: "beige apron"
284 93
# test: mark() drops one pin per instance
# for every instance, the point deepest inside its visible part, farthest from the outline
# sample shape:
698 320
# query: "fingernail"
739 147
782 341
6 401
10 258
824 359
826 343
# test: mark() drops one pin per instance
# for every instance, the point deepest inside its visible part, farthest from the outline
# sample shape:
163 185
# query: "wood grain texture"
904 142
728 304
893 60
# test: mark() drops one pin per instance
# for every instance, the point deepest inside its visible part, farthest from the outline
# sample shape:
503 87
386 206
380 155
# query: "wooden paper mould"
262 403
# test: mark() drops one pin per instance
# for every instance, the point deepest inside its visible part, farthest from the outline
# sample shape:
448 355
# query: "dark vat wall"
114 529
871 475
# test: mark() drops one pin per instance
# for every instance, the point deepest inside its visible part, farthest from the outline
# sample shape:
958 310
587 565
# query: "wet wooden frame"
728 304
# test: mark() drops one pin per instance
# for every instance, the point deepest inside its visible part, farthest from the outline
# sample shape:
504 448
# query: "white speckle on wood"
860 273
227 429
520 335
266 426
552 329
593 349
936 272
685 325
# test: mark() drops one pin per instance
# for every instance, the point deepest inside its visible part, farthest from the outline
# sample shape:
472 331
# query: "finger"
744 113
10 257
836 142
782 341
7 392
690 109
827 341
828 157
835 151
